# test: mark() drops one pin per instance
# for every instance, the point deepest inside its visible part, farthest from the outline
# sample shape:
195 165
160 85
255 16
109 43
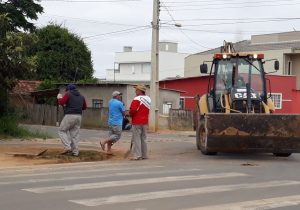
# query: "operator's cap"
116 93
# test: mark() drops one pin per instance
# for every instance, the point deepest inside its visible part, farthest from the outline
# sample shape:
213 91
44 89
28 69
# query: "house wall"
166 96
295 58
284 85
191 87
104 92
296 101
192 64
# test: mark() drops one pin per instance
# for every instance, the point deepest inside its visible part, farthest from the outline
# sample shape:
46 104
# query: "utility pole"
154 83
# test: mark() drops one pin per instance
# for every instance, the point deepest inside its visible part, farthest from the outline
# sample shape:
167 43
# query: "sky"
106 26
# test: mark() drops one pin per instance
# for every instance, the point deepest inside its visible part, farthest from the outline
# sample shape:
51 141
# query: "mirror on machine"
203 68
276 65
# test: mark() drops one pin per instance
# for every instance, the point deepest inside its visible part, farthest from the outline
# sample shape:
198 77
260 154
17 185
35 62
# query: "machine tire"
200 134
282 154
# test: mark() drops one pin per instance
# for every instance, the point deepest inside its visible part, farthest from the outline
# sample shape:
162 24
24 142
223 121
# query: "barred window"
181 103
97 103
277 100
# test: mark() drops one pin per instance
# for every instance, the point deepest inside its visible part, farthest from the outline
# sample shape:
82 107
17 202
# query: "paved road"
176 180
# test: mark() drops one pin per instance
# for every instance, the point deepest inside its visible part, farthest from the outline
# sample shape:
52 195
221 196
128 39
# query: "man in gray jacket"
74 103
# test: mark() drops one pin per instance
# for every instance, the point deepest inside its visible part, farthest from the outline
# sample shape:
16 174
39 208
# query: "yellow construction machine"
237 113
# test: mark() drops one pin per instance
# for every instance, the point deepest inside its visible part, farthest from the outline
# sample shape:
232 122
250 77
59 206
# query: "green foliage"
88 81
47 85
9 128
62 56
15 61
20 11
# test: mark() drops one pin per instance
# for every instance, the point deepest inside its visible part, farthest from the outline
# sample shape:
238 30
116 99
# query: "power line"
221 2
239 22
225 32
218 8
193 4
124 33
91 21
91 1
188 37
247 18
117 32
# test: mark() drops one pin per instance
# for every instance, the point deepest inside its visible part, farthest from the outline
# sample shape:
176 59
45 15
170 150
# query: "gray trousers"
115 132
70 124
139 145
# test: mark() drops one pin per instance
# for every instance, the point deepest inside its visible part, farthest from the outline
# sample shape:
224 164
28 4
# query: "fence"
181 119
43 114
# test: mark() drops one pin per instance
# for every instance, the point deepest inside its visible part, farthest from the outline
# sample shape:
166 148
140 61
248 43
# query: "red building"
285 96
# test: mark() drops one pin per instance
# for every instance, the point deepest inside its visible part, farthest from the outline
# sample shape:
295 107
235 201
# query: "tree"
19 11
62 56
14 59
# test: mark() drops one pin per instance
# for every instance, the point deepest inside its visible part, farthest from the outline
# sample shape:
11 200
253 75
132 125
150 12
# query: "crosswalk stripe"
99 185
100 169
262 204
97 176
180 193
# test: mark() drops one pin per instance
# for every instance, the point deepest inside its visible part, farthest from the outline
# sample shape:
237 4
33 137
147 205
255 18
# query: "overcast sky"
108 25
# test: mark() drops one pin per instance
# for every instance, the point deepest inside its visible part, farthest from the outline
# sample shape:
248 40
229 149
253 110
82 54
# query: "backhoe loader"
237 113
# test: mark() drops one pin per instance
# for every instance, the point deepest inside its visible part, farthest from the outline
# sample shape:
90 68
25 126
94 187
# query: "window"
290 68
146 68
277 100
181 103
166 108
97 103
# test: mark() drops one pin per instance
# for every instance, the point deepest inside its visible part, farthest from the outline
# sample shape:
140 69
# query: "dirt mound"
19 155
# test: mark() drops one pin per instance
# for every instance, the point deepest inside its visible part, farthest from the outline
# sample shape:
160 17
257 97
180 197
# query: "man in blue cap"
74 103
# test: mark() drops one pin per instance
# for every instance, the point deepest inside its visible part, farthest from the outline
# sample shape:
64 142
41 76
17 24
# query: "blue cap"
71 87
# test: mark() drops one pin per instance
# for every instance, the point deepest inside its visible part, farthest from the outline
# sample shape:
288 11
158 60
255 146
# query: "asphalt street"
176 176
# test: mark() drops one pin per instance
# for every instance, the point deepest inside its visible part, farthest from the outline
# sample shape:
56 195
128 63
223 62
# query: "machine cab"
237 76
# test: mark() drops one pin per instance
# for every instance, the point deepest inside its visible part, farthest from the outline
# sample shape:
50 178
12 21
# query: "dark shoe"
66 152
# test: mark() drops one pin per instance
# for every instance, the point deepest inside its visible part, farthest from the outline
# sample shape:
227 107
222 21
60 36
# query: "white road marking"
97 176
99 169
180 193
262 204
99 185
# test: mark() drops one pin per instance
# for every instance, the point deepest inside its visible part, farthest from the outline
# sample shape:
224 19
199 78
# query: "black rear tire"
282 154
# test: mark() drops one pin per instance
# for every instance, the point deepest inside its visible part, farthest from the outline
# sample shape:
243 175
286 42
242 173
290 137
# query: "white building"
136 66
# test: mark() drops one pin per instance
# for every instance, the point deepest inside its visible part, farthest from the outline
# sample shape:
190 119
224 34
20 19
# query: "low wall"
181 120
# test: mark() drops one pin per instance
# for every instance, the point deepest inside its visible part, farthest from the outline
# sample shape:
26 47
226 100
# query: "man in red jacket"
74 103
139 112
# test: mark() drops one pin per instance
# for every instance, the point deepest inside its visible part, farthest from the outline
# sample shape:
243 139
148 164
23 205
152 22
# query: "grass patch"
9 128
